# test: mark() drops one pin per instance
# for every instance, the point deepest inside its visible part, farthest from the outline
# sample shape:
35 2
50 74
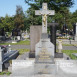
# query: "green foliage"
7 23
22 51
74 17
60 7
19 18
69 53
3 73
23 21
52 4
18 43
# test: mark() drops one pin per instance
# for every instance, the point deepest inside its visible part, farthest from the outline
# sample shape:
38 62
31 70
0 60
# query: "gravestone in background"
76 33
74 28
16 35
35 35
44 49
53 38
64 31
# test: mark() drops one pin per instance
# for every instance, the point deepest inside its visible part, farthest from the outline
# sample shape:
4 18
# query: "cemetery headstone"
16 33
35 35
27 35
64 29
76 33
74 28
44 49
53 33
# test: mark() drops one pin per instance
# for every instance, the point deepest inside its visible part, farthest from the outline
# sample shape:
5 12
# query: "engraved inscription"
44 54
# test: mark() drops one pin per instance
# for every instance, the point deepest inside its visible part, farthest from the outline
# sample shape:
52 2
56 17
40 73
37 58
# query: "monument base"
28 68
58 55
31 54
45 68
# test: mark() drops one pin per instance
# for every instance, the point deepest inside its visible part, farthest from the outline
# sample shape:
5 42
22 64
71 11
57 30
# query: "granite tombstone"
76 33
35 35
53 33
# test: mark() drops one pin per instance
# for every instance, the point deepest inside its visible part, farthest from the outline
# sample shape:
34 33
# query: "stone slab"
64 68
58 55
45 68
76 38
22 67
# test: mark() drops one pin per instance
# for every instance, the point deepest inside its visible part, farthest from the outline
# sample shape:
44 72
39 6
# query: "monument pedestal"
45 68
44 56
31 54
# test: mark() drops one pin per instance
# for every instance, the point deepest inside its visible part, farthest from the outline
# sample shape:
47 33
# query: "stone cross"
44 12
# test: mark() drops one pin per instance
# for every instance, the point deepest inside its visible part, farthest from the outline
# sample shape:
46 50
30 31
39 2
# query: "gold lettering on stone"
44 54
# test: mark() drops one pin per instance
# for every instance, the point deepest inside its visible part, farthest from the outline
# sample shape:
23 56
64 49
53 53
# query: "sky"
9 7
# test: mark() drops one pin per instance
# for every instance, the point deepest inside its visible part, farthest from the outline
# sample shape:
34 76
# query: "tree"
7 23
60 7
19 18
74 17
52 4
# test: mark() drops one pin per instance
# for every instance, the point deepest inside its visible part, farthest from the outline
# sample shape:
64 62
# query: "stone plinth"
44 56
44 51
45 68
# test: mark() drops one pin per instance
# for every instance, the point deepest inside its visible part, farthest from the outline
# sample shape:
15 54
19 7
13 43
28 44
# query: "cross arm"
37 12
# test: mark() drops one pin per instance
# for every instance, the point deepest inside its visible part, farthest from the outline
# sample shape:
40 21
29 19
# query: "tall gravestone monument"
53 33
76 33
44 49
35 34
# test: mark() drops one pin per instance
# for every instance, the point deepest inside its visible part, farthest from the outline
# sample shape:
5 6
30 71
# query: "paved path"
28 47
69 47
20 46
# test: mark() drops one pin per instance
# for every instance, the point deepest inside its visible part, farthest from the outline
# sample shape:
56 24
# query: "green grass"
67 44
5 73
69 53
2 73
22 51
27 42
8 73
